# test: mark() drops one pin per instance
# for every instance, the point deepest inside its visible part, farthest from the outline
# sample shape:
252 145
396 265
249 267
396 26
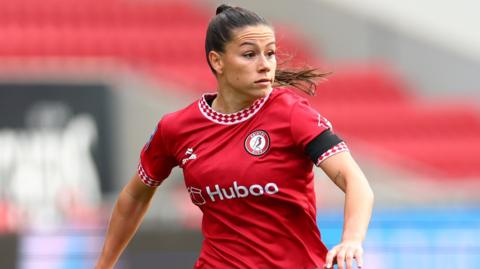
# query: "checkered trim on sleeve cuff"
340 147
146 179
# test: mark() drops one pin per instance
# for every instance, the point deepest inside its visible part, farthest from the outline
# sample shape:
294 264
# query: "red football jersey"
249 174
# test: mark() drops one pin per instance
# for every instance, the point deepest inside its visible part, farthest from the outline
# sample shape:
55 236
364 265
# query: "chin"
262 91
266 91
258 92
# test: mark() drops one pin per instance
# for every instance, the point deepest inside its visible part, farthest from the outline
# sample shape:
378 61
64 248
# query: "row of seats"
151 45
94 13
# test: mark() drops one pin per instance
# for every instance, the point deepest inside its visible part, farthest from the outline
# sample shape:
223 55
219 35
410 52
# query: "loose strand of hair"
303 79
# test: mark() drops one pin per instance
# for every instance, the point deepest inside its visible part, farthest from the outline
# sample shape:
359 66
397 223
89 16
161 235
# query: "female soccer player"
247 153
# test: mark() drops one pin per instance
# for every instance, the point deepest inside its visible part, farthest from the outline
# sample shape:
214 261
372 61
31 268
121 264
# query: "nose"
264 65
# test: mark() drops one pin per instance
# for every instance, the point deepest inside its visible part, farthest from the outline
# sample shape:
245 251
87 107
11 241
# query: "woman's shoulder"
181 114
287 96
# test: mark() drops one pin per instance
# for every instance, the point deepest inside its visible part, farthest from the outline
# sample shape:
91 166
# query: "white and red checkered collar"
232 118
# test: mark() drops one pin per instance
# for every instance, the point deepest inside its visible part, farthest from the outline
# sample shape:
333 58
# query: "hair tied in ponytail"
221 8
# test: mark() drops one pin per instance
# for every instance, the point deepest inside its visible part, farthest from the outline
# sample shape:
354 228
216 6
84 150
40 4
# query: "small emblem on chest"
257 143
190 154
324 123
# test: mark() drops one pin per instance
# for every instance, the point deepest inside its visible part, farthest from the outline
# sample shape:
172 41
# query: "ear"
216 61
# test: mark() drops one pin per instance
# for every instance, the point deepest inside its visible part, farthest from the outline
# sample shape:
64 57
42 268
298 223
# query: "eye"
249 54
271 53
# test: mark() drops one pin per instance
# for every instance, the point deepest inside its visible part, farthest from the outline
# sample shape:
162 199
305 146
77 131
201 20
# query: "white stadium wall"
432 44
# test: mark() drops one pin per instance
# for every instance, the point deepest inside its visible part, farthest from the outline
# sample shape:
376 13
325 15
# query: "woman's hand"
345 253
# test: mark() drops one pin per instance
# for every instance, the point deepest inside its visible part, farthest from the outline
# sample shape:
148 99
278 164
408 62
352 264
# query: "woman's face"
248 64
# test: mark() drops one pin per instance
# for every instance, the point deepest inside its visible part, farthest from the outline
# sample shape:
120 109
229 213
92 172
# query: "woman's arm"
127 215
345 173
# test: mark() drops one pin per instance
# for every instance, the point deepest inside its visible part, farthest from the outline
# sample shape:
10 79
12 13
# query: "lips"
265 80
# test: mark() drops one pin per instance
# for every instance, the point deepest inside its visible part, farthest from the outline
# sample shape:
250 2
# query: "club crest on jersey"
257 143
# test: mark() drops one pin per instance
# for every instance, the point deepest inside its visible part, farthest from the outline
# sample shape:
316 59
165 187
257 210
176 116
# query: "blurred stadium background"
83 83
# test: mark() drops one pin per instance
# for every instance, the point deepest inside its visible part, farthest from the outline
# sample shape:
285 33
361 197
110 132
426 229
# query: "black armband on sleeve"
321 144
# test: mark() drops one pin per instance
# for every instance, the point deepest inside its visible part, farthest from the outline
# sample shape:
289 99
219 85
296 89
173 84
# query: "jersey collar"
232 118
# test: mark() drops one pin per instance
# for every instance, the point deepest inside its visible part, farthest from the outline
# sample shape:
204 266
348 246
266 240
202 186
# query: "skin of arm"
342 169
129 210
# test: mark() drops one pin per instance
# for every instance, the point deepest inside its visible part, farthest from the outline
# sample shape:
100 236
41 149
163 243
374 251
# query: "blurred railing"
415 238
397 239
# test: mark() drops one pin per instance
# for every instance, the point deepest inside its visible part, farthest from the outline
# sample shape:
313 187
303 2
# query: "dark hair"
220 31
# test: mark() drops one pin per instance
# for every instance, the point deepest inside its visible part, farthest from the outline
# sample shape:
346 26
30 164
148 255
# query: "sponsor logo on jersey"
233 192
196 195
257 143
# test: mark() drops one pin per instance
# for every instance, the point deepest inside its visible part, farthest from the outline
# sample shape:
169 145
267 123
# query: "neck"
230 103
230 100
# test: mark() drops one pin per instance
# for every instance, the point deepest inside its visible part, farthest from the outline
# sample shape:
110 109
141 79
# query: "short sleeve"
156 162
314 133
306 123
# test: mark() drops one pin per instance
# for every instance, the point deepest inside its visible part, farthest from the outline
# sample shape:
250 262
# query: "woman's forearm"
358 209
347 175
125 220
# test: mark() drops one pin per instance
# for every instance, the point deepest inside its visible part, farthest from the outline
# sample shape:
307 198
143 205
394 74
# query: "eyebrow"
253 44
